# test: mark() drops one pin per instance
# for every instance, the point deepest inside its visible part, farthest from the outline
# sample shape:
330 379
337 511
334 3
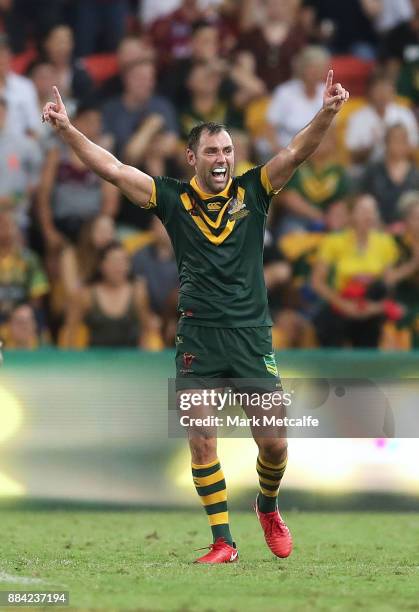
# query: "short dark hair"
211 127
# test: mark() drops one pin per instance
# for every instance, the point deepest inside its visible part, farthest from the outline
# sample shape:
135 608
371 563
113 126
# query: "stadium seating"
101 66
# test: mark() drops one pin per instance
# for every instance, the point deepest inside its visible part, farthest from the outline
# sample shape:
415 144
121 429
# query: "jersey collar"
208 196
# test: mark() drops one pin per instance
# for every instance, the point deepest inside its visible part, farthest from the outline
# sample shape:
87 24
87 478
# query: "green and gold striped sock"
211 488
270 476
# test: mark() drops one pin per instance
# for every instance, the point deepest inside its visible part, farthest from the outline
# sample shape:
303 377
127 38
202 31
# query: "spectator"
20 94
358 259
408 81
22 278
405 277
401 56
300 248
72 79
242 151
204 47
272 33
124 115
204 102
388 179
156 265
349 26
79 263
30 18
277 273
69 193
296 101
43 76
114 309
132 49
401 44
150 10
100 25
20 331
290 329
367 127
388 14
247 86
239 82
20 166
144 128
317 184
171 33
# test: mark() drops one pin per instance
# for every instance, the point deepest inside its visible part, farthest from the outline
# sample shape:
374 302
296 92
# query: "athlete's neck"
204 188
205 192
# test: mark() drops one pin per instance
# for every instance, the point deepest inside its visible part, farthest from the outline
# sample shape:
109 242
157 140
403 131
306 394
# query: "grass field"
142 561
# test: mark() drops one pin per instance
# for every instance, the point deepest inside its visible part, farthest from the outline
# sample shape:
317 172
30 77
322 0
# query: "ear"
190 157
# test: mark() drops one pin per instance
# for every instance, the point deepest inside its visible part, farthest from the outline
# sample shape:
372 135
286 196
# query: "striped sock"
270 476
211 488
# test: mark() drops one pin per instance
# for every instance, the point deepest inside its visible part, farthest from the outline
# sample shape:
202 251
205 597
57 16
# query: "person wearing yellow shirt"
348 276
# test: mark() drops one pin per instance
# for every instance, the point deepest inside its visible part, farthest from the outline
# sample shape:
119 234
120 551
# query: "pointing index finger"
329 80
57 96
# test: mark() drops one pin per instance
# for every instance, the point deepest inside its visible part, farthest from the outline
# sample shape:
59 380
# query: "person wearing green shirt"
216 224
317 184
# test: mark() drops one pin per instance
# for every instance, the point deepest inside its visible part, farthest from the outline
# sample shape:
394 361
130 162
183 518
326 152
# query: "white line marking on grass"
5 577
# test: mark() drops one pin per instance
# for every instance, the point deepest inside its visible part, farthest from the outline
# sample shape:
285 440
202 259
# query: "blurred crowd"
82 267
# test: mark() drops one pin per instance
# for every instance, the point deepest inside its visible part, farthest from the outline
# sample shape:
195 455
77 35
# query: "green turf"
142 560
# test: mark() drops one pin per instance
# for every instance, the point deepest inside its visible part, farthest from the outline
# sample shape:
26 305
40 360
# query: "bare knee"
203 450
273 450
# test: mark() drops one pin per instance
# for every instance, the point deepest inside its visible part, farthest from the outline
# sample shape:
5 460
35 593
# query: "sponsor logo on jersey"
214 206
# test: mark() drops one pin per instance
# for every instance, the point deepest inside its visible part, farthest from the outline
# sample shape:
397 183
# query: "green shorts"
207 353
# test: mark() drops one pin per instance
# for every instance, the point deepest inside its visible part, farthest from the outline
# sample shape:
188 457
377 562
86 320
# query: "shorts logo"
187 360
179 340
270 364
186 313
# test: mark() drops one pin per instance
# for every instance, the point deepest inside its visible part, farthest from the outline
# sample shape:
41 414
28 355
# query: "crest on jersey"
237 209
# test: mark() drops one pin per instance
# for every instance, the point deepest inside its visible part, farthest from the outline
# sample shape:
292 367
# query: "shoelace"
275 521
217 545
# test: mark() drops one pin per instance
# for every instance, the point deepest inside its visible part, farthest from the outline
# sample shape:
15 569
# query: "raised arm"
134 184
281 167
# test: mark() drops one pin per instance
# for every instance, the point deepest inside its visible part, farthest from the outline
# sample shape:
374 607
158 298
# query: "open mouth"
219 172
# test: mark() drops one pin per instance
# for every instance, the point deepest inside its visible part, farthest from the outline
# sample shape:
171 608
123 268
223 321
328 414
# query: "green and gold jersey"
22 279
320 186
218 244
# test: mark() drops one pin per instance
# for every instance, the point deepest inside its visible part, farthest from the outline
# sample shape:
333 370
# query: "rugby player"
216 224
